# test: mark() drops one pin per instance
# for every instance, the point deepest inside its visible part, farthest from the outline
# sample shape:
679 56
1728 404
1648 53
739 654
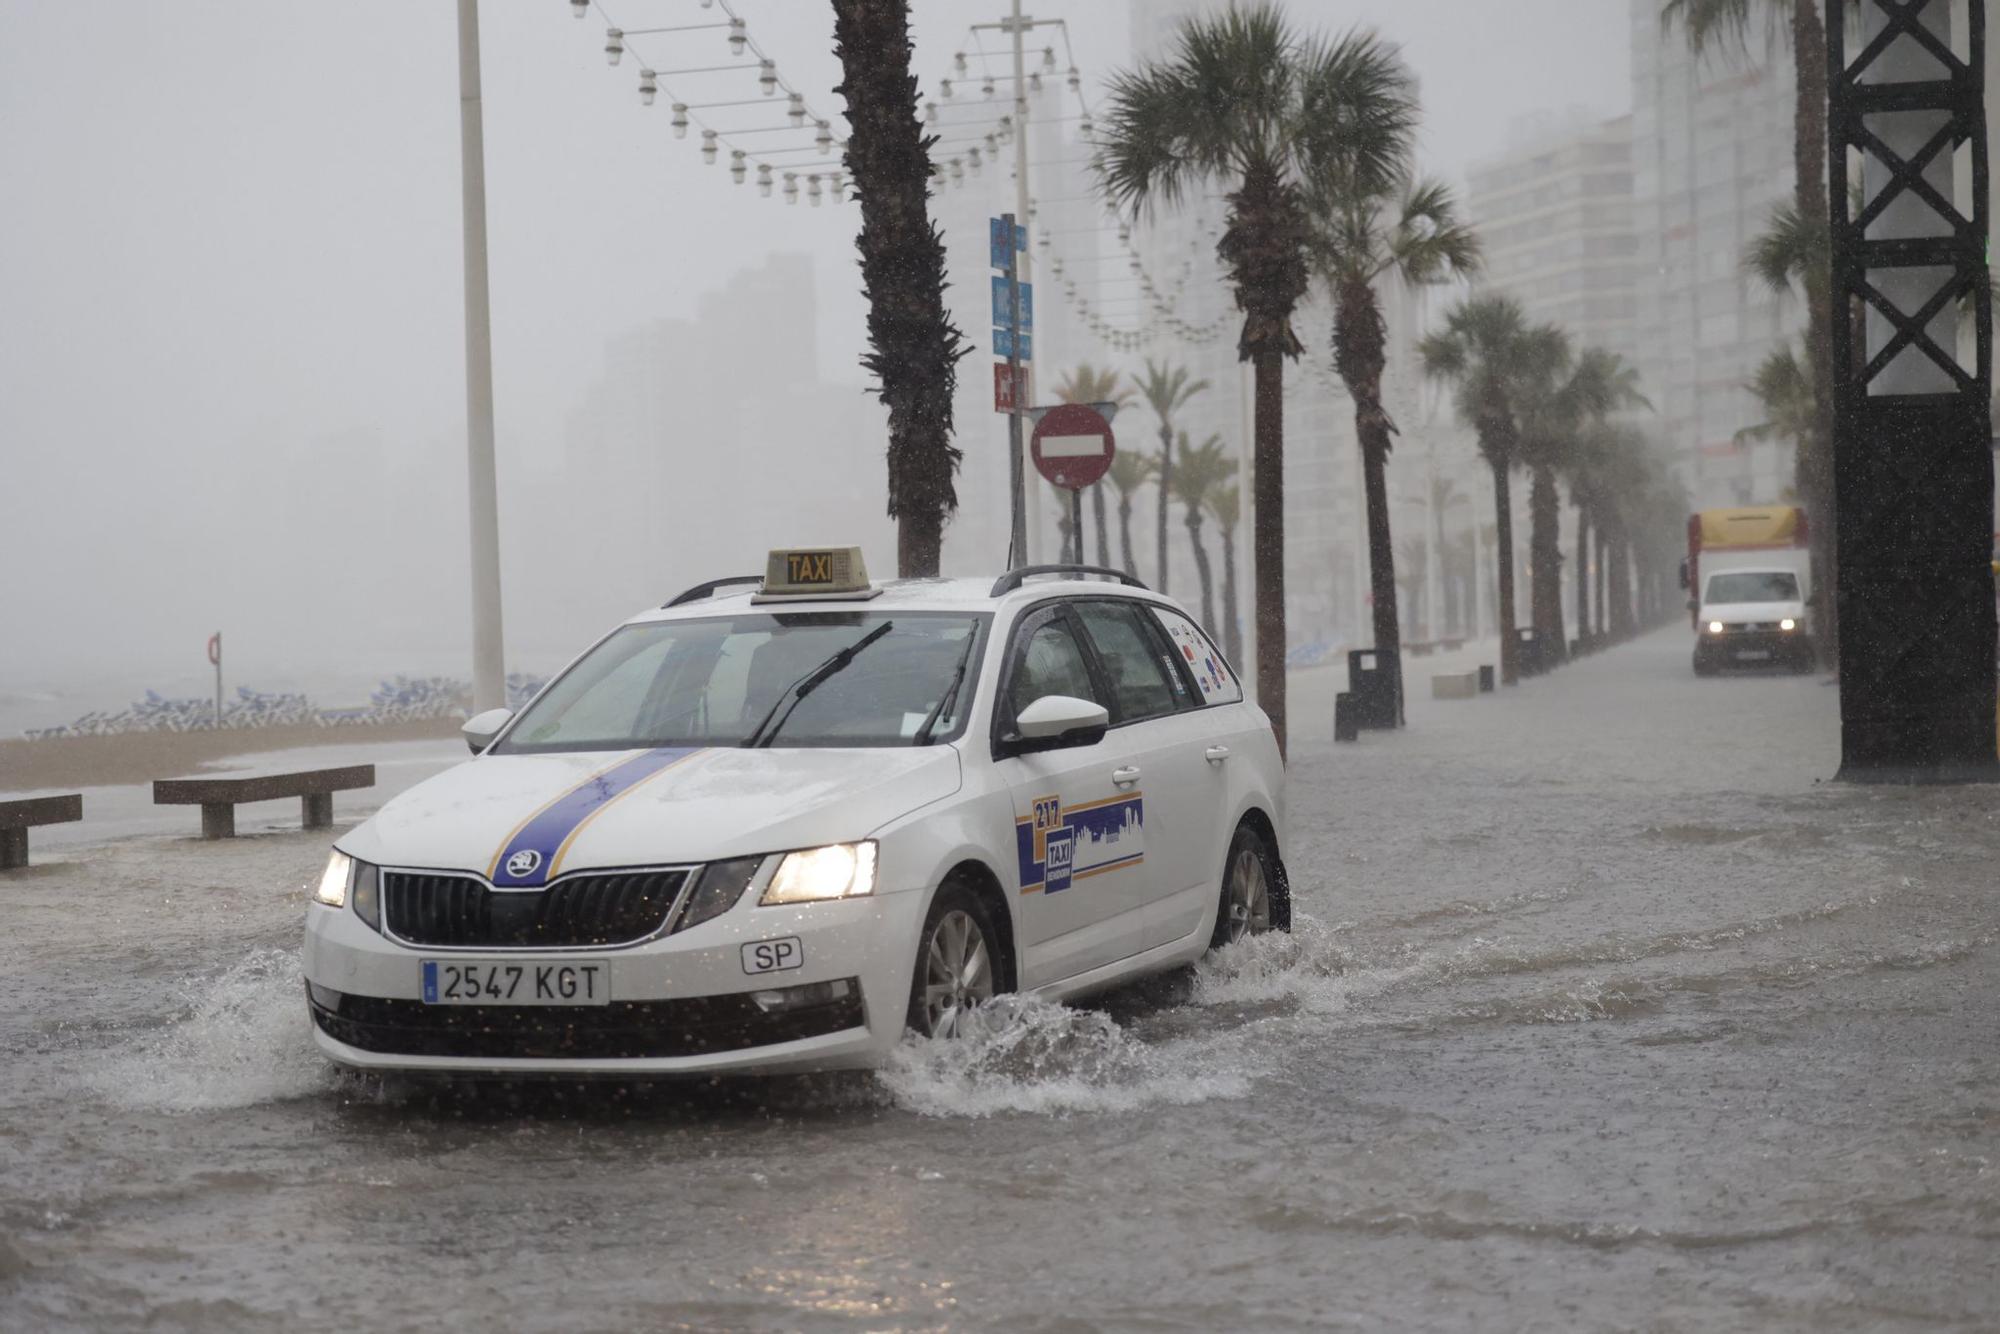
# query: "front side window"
820 678
1143 683
1048 661
1753 586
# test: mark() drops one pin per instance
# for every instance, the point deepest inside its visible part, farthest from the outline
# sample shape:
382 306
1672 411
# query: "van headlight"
1788 624
1715 627
836 871
334 880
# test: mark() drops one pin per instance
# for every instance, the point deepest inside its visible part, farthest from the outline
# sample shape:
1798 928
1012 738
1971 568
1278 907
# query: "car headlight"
836 871
718 887
1715 627
334 880
1788 624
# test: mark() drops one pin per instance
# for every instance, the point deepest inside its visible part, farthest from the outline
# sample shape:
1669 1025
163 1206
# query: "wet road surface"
1606 1010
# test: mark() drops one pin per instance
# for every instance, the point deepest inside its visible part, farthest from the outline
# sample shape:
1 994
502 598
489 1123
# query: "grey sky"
229 254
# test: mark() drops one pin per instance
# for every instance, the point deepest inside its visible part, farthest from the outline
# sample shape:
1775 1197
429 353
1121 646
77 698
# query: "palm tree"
1203 468
1244 104
1486 350
1226 504
913 347
1129 471
1412 231
1561 400
1166 390
1712 23
1782 385
1086 384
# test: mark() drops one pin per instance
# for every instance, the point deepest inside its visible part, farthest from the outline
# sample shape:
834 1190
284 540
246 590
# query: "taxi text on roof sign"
805 571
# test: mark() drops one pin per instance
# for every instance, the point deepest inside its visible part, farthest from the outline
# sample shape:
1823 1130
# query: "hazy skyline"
234 243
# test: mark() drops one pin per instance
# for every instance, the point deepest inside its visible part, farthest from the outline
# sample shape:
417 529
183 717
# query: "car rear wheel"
1249 890
958 960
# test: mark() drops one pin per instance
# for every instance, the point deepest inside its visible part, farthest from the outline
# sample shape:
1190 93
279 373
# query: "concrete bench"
219 796
1455 685
20 815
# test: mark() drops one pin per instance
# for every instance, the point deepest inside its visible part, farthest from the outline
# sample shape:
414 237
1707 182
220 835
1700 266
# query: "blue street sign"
1003 312
1003 343
996 240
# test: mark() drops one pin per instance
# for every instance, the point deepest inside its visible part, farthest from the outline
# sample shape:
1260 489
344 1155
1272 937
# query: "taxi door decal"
1059 845
533 853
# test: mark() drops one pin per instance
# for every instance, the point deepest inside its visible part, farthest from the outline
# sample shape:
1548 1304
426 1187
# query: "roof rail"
708 590
1013 579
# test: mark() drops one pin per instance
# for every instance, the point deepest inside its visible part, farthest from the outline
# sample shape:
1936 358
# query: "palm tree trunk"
1545 563
1125 532
913 346
1582 575
1381 550
1166 483
1603 580
1203 571
1103 536
1232 627
1503 561
1621 585
1268 458
1809 160
1359 338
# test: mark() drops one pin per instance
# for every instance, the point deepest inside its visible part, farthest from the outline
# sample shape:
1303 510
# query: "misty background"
232 349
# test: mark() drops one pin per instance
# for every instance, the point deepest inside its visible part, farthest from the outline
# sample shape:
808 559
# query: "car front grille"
622 1030
425 908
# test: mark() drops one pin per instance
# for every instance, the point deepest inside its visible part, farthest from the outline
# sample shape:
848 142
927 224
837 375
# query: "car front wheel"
1249 890
957 963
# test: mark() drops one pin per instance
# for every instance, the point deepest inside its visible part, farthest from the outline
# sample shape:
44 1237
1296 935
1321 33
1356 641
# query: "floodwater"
1605 1011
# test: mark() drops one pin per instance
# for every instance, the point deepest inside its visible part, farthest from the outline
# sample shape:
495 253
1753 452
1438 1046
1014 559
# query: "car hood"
1737 612
646 807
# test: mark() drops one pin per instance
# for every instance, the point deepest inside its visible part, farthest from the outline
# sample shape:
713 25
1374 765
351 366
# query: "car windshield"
716 682
1754 586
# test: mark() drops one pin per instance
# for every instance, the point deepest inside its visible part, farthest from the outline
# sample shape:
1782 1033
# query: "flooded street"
1606 1010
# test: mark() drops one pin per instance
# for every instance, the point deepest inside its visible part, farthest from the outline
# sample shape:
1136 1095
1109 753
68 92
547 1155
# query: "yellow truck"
1749 580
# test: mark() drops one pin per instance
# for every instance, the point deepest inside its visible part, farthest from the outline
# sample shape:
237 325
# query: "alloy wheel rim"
958 972
1249 897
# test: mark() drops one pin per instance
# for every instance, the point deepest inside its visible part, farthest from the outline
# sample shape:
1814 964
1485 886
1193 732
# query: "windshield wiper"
767 726
950 696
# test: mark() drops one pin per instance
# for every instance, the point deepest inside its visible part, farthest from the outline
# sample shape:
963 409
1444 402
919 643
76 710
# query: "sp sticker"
774 956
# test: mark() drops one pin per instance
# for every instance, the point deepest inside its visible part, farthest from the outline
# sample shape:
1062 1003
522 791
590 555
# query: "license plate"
515 982
1753 655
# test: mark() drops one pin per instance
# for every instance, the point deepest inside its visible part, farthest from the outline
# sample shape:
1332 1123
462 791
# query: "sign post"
1073 448
215 659
1013 318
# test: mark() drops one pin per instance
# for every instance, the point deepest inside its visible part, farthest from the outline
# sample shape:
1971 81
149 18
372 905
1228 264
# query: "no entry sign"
1072 445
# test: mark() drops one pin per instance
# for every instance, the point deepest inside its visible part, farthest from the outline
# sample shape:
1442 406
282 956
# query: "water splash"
1020 1054
243 1039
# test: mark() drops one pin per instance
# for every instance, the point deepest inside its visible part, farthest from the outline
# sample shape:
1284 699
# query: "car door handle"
1126 776
1216 754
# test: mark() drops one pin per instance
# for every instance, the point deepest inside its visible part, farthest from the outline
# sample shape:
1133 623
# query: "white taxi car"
773 829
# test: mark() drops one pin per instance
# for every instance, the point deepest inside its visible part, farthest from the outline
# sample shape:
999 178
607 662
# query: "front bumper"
1754 648
679 1005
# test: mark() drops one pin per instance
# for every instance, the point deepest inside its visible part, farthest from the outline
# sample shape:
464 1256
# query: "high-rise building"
1712 144
1555 217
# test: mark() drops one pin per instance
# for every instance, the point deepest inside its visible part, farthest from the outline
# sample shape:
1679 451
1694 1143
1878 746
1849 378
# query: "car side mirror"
480 729
1058 722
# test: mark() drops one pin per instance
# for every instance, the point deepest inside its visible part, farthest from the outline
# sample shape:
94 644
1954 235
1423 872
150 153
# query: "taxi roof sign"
815 572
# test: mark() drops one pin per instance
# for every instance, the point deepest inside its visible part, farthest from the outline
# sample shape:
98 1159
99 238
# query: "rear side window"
1218 685
1143 681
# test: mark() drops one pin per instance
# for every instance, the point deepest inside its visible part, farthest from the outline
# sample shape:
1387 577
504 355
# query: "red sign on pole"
1010 392
1072 445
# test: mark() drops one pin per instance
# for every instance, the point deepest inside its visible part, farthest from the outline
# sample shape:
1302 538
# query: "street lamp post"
489 672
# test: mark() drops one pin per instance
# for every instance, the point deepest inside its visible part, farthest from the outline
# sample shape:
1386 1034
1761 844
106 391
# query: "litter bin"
1375 679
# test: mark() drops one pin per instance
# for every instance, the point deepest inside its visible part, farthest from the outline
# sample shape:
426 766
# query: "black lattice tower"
1913 465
